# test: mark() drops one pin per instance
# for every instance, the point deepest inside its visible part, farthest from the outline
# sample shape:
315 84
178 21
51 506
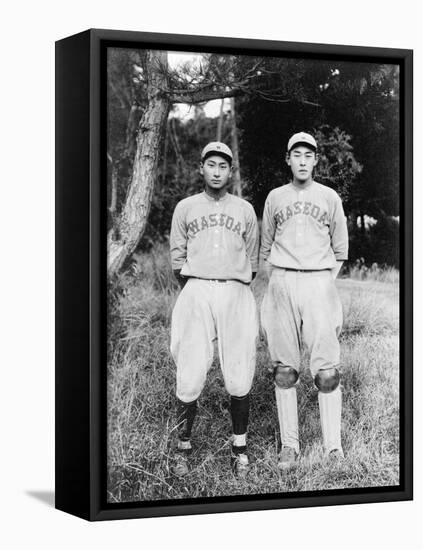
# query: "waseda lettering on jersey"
299 207
213 220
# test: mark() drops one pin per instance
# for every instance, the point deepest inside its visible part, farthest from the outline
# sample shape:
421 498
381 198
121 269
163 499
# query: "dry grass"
141 387
381 273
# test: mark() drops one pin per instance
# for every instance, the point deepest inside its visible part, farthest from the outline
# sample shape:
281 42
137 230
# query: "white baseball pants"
304 306
206 310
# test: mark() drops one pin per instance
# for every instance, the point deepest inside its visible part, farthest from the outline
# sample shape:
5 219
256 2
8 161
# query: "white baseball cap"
302 137
216 147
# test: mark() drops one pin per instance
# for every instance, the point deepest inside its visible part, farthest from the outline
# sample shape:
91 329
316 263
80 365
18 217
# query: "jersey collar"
302 187
211 199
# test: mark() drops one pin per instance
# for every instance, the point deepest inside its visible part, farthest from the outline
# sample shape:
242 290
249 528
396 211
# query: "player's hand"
335 271
182 281
267 268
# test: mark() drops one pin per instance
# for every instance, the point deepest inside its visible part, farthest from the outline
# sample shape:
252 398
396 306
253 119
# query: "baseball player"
304 242
214 253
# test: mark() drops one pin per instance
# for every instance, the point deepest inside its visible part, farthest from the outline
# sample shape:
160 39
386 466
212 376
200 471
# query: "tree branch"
202 96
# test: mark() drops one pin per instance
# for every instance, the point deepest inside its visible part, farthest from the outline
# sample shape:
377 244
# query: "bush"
378 244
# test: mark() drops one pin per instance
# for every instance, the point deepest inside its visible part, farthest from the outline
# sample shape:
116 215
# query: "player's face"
216 172
302 160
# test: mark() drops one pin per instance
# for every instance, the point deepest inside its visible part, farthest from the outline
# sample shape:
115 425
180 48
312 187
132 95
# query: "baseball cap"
302 137
218 148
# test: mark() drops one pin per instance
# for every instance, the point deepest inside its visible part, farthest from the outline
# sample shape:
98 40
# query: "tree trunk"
133 219
220 122
113 191
176 147
133 122
236 177
163 170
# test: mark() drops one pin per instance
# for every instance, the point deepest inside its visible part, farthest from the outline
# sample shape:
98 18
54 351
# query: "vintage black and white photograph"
253 267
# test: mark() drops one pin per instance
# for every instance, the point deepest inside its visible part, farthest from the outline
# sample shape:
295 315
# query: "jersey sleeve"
252 239
268 228
178 238
338 231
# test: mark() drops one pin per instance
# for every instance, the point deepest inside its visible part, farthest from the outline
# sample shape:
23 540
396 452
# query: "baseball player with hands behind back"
214 253
304 242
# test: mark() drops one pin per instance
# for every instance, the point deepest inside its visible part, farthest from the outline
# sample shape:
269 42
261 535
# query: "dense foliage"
352 108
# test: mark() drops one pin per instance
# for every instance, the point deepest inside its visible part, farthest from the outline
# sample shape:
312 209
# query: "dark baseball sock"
240 407
239 450
185 419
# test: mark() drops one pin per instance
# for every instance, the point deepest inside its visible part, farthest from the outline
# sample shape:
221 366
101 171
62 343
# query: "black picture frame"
81 276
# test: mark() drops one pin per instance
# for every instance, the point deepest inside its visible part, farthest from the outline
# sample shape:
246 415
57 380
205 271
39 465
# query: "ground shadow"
46 497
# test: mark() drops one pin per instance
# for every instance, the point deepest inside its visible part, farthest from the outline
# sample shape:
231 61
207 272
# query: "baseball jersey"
214 239
304 227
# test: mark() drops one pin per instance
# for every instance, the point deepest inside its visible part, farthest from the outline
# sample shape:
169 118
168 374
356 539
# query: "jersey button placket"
299 230
216 233
299 233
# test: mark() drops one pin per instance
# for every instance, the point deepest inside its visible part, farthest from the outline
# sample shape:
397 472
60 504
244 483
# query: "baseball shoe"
180 467
287 458
335 455
181 458
240 464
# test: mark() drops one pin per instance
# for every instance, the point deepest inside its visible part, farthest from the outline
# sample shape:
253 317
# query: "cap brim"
218 153
305 144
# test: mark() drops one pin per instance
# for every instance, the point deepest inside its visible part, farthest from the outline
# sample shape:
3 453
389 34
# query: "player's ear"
316 159
201 168
287 159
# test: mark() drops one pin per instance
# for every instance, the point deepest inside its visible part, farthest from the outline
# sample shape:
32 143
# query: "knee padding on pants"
285 377
327 380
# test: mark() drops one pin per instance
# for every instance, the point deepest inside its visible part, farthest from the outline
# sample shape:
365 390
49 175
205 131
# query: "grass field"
141 399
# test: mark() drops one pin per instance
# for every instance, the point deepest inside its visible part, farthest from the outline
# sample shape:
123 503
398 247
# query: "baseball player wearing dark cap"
214 253
304 242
